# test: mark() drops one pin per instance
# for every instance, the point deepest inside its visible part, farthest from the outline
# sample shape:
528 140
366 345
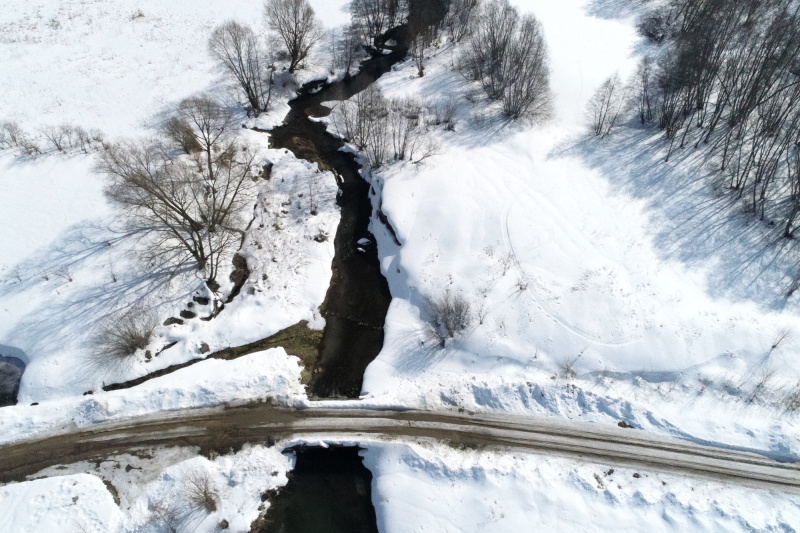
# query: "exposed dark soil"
328 492
298 340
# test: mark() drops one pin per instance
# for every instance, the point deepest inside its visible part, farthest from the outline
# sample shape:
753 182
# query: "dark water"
358 298
11 370
328 492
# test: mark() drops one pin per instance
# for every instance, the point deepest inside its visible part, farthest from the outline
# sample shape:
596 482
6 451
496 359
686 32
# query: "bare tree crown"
189 210
294 23
237 49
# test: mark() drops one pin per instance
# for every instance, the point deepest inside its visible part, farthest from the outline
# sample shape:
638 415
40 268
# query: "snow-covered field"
603 285
586 299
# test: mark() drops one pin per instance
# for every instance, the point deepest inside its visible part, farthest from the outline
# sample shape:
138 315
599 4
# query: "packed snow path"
224 428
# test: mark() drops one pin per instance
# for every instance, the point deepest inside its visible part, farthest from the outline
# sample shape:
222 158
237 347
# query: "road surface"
221 429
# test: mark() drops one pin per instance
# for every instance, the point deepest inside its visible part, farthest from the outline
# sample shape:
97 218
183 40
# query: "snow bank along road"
222 428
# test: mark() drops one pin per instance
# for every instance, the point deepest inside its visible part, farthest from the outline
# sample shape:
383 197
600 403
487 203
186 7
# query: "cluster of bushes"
388 129
62 138
507 54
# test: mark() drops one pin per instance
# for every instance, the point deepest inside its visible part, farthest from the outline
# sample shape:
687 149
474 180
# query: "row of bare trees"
186 191
729 75
62 138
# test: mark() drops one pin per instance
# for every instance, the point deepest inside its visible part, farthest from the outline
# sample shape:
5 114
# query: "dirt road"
221 429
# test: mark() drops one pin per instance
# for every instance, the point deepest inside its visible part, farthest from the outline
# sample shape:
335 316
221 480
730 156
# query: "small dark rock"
202 300
88 392
172 320
223 524
204 348
187 314
35 403
266 171
636 475
190 305
624 424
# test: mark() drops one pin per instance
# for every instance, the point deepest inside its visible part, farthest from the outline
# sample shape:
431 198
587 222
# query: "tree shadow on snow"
613 9
81 280
694 218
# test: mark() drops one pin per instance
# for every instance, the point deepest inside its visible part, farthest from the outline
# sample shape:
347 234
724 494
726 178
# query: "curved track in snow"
221 429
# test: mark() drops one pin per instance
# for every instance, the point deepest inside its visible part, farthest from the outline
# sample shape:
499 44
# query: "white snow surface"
416 486
423 487
63 503
153 491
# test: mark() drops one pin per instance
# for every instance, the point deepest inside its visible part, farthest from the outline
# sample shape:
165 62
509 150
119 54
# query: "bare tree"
346 48
384 130
55 135
418 53
354 118
210 123
527 93
82 138
374 17
236 47
642 83
458 18
485 58
188 212
404 124
605 106
294 23
11 134
179 132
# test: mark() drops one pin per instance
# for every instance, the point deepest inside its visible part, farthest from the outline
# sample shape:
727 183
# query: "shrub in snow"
449 314
116 343
199 490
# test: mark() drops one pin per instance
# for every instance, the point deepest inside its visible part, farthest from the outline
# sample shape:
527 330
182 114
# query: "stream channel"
358 297
328 492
